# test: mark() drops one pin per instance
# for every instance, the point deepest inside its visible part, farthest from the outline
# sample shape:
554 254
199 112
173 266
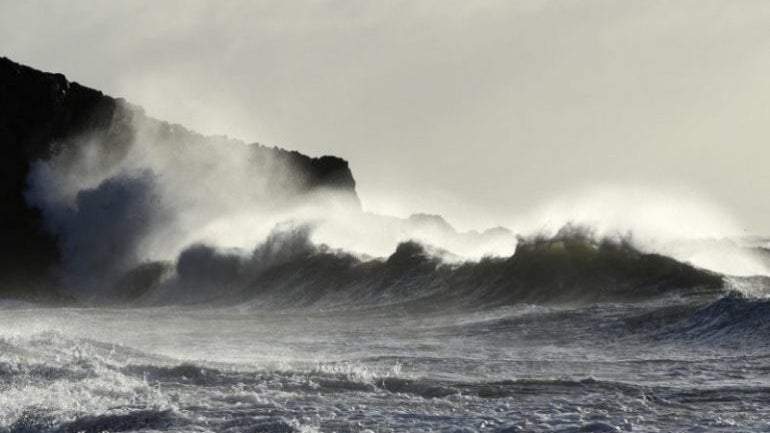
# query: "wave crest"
289 271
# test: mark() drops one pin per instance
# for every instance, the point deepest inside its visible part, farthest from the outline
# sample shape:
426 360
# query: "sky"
481 111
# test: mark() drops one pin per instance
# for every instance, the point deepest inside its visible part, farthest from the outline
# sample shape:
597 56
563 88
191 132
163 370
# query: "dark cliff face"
41 114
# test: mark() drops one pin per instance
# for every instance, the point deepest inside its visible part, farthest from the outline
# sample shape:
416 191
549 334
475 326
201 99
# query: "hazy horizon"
485 113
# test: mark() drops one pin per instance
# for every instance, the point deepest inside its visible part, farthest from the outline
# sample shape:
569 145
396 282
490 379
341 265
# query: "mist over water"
668 219
216 207
115 204
214 285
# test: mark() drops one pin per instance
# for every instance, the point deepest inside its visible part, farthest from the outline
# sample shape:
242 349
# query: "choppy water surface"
674 365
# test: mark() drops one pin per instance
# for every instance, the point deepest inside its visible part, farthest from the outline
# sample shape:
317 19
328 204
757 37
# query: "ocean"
674 362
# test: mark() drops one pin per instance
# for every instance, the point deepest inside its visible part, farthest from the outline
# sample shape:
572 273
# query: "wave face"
289 271
735 321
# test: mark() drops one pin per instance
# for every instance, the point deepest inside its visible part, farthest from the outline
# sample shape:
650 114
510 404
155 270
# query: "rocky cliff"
43 114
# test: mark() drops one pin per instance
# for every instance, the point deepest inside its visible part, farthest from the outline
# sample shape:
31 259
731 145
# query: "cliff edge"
41 115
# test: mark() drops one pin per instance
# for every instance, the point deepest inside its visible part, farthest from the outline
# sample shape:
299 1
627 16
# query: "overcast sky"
475 109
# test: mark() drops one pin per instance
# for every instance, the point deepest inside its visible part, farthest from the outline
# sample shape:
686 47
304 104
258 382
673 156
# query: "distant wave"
289 271
734 320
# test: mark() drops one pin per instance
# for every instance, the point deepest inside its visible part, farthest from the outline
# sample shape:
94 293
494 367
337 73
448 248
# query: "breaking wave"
289 271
